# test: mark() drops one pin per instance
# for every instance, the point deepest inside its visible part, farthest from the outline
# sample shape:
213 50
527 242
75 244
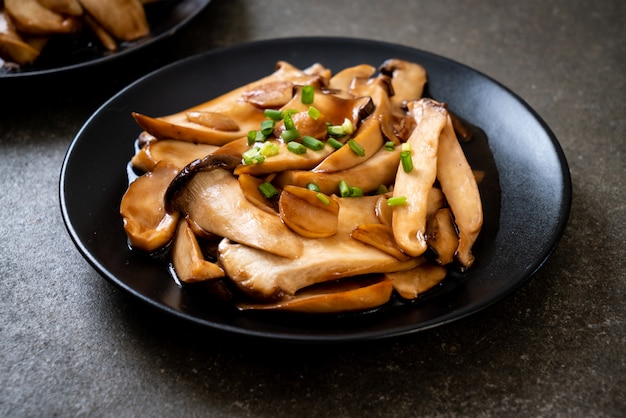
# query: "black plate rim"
559 225
123 53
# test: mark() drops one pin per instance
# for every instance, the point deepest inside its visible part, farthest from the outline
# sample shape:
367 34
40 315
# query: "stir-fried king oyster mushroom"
316 192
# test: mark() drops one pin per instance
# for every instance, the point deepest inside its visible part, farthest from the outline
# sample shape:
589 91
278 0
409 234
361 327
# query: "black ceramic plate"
526 192
66 53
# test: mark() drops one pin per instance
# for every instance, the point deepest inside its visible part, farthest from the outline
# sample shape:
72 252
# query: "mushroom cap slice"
412 283
176 153
29 16
149 227
308 213
266 276
125 19
441 236
187 258
210 195
407 79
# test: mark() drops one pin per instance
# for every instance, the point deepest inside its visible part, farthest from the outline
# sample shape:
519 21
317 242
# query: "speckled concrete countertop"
71 344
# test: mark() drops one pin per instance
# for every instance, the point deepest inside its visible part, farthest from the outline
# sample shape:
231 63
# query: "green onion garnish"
251 137
323 198
334 143
312 143
313 186
336 130
407 162
390 146
356 191
253 156
307 94
356 148
268 190
406 146
289 122
273 114
290 135
396 200
313 113
347 126
296 148
269 149
267 127
344 190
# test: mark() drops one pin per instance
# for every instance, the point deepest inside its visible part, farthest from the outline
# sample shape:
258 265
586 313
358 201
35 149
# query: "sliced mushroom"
266 276
409 220
125 19
458 184
371 173
232 105
66 7
14 47
30 17
379 236
412 283
187 258
176 153
148 226
308 213
408 80
441 236
250 188
210 195
343 79
350 297
368 135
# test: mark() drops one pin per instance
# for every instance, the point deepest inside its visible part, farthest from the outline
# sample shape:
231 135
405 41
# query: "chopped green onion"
313 143
273 114
390 146
347 126
407 162
313 186
289 122
267 127
253 156
381 189
268 190
406 146
290 135
334 143
296 148
344 190
288 112
308 93
269 149
313 113
251 137
323 198
356 148
356 191
396 200
336 130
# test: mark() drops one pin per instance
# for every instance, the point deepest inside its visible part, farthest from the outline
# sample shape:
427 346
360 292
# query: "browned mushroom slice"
106 39
309 213
250 188
148 225
30 17
409 220
381 237
412 283
125 19
13 47
408 80
384 212
189 263
380 169
343 79
350 297
246 115
368 136
176 153
210 195
458 184
441 236
66 7
266 276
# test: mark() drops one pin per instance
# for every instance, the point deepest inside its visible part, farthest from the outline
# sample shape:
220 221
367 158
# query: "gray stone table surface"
72 344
